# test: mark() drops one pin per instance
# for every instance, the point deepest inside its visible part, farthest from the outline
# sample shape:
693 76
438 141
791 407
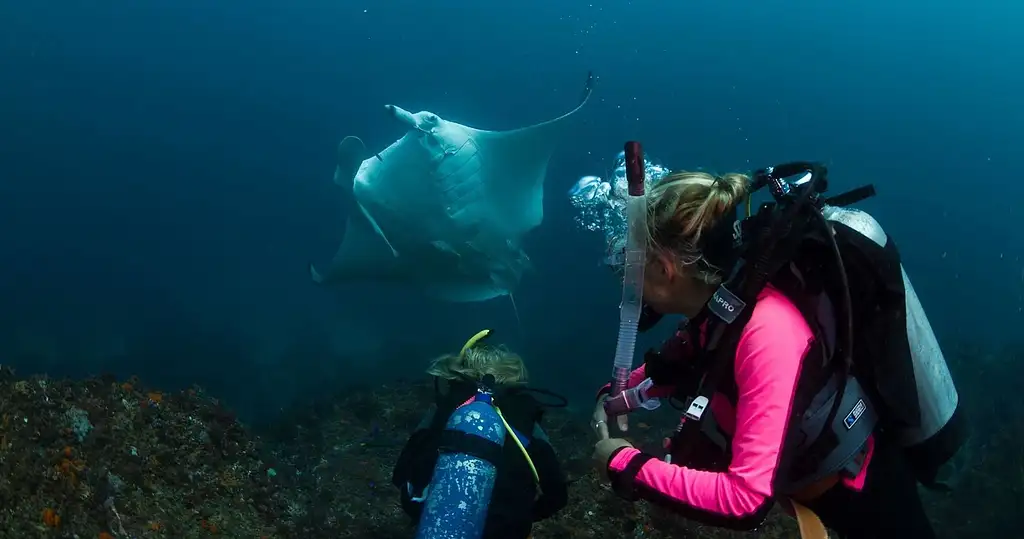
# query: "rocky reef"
106 458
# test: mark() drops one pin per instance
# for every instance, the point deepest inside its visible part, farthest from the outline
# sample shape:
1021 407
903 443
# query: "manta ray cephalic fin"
351 152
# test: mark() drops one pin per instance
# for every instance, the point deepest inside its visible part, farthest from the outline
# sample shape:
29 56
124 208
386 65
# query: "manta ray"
445 207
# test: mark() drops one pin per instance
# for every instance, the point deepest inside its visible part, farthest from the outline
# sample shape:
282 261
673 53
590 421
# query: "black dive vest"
875 360
812 449
880 393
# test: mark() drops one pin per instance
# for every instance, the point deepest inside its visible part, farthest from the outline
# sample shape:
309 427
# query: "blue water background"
165 167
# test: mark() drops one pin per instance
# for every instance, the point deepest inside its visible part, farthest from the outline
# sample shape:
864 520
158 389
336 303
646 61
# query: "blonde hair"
505 366
682 207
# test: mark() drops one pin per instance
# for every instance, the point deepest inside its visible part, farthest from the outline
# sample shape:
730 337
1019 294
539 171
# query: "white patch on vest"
855 413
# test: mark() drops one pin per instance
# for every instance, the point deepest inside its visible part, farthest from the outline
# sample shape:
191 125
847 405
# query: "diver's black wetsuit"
513 508
889 506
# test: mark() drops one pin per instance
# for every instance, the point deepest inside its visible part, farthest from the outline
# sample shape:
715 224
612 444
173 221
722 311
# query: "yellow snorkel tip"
480 335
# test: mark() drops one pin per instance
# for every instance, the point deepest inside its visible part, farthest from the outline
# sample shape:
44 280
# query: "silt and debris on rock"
106 458
102 458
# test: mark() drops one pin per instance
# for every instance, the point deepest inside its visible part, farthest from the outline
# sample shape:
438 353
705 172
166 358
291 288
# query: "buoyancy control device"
876 368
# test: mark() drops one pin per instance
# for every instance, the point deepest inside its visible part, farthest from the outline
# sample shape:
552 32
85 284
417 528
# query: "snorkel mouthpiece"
633 274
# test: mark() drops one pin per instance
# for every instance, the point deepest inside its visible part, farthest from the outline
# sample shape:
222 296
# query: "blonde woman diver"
529 487
758 443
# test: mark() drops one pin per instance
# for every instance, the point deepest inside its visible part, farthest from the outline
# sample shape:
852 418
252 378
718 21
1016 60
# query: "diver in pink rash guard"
787 422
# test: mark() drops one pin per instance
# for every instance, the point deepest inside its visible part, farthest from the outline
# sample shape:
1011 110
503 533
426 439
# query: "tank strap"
453 441
808 522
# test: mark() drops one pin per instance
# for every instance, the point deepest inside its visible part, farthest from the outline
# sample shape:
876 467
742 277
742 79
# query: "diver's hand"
599 421
603 453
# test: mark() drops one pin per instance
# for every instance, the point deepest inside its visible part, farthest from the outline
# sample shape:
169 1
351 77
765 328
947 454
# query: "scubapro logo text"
725 304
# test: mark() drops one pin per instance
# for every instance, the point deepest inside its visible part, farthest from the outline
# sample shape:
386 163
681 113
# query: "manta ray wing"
494 180
514 166
364 254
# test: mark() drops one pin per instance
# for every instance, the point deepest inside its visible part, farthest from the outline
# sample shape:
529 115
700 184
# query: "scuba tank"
920 406
463 481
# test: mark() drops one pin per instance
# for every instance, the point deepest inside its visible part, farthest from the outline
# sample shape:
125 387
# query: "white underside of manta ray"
445 207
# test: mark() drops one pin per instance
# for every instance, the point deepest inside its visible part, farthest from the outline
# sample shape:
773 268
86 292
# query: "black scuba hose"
845 347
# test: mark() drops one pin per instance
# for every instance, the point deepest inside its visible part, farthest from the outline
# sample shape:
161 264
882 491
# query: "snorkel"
617 206
633 272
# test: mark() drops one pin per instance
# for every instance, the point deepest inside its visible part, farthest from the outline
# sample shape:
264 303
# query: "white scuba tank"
940 433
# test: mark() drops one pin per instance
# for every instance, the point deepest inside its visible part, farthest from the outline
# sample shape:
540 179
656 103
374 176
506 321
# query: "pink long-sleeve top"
769 355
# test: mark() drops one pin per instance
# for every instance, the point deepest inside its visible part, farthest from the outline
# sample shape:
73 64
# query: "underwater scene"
489 270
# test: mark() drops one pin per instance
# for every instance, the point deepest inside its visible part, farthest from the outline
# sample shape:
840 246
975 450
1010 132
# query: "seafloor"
106 458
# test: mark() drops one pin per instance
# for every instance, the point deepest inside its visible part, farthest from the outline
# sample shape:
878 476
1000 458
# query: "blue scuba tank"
461 487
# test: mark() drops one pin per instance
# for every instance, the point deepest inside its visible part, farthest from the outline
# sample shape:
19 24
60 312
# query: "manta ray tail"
315 275
515 310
